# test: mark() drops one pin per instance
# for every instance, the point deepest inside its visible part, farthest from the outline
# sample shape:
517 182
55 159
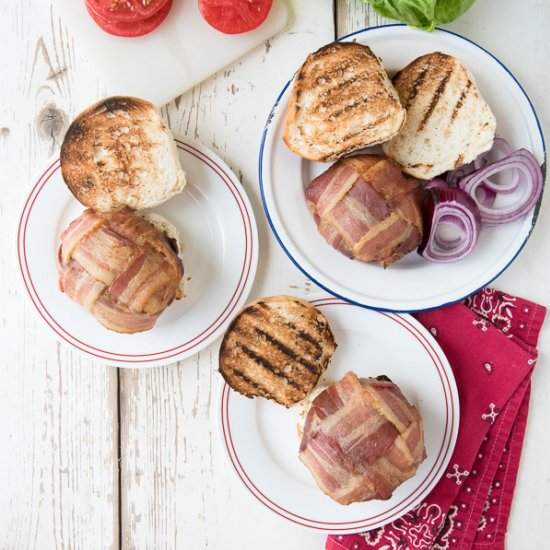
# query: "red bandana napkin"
490 342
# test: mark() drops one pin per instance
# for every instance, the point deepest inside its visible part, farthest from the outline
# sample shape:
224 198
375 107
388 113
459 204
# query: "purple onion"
452 224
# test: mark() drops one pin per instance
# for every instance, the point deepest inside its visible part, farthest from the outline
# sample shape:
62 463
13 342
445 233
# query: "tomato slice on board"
235 16
126 10
131 28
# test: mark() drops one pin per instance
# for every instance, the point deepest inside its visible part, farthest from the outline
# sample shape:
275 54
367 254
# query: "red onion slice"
436 182
529 180
454 176
500 147
452 224
485 196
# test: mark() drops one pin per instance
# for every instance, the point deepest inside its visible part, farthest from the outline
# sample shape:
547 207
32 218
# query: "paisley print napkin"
490 342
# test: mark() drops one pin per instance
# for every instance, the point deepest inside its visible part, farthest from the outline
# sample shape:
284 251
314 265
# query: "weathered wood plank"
516 36
354 15
58 412
177 490
187 481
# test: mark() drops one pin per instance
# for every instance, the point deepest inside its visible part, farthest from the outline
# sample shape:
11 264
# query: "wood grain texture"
59 413
177 491
58 420
354 15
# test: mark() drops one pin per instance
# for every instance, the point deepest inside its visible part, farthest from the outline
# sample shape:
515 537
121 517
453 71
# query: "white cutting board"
180 53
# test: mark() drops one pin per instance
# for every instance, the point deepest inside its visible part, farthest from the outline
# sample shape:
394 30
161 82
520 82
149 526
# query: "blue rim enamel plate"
260 440
412 284
218 229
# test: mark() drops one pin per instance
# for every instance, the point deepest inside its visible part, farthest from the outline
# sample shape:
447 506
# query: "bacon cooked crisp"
120 268
365 208
362 439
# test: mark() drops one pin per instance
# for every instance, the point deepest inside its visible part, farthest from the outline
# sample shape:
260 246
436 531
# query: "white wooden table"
95 457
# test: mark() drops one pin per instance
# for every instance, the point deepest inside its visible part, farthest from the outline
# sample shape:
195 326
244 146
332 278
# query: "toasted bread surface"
276 347
342 100
448 121
119 154
170 231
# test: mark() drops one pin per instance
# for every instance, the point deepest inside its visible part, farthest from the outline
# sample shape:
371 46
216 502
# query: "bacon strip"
365 208
122 319
361 439
120 268
79 285
79 228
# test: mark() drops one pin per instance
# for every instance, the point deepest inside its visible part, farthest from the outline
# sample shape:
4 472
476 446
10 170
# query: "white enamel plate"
412 283
260 439
216 222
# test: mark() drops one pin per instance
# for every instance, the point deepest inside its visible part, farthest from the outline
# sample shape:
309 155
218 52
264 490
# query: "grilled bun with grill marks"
276 347
342 101
448 122
119 153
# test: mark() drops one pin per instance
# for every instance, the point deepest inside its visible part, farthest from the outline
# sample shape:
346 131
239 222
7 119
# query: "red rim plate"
184 349
410 500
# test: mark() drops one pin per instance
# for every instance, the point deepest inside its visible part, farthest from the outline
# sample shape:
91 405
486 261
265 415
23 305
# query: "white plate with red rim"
260 440
411 284
218 228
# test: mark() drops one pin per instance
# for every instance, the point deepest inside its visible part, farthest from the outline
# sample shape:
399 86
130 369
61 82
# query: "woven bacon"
367 209
120 267
362 439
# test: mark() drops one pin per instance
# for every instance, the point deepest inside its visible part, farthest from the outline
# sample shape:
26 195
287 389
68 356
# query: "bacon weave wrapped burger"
367 209
361 439
121 268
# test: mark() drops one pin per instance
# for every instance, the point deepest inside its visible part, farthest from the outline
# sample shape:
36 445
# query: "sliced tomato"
235 16
126 10
131 28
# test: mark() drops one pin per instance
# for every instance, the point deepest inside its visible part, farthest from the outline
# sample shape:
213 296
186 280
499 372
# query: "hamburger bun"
448 122
277 348
170 231
342 101
119 154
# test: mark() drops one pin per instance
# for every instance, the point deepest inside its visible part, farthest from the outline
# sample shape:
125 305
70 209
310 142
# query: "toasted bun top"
342 100
448 121
119 153
168 228
276 347
173 236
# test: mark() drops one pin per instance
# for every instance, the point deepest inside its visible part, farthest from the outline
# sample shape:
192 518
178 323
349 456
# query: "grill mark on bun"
258 359
361 101
368 127
265 392
339 87
415 86
461 99
421 165
269 316
435 99
286 350
317 352
280 343
304 335
331 78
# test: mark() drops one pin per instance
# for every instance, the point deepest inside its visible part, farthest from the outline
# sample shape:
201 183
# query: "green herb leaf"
449 10
422 14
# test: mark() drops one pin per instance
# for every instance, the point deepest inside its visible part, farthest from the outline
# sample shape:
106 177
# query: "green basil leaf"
416 13
422 14
449 10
